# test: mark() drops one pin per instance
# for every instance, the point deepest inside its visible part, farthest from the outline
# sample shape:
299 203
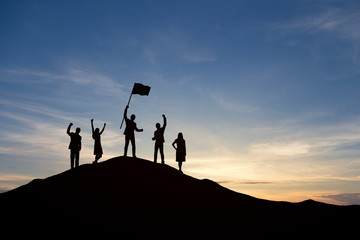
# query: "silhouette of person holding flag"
159 140
97 145
74 146
139 89
129 132
180 150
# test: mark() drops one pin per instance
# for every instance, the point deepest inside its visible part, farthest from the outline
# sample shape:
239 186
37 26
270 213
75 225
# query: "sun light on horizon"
265 92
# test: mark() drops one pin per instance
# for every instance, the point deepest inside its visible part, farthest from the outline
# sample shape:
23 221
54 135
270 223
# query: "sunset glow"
266 93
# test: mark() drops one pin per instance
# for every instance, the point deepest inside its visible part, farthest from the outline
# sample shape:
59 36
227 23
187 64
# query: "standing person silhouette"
159 140
129 132
97 144
74 146
180 150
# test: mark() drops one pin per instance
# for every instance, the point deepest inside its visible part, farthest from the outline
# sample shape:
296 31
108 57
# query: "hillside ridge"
138 198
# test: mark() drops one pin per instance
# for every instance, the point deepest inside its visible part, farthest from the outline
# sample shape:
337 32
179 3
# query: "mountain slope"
137 198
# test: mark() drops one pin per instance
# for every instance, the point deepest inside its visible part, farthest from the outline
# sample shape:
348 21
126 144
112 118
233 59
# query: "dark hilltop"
136 198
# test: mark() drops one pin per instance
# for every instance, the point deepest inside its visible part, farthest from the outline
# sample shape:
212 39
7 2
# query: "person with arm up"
130 132
159 140
74 146
98 151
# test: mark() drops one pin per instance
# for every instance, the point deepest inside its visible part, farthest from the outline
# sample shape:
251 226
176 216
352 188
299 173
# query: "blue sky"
266 93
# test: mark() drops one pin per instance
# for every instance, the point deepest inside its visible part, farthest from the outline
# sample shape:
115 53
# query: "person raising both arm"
97 144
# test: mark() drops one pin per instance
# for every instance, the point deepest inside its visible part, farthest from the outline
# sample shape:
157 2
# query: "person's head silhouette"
180 136
132 117
97 130
78 130
157 125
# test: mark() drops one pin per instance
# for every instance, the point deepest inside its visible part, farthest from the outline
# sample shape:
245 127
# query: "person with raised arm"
97 144
74 146
129 132
159 140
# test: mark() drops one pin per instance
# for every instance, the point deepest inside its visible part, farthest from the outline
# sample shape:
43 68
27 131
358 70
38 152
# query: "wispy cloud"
282 149
96 82
9 181
245 183
5 177
341 22
35 135
225 103
175 43
32 75
343 198
31 107
100 83
198 57
43 134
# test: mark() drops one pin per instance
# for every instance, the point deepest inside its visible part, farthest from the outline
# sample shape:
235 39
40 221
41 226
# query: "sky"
266 93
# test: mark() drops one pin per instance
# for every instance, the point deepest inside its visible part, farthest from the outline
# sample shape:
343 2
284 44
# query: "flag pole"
126 105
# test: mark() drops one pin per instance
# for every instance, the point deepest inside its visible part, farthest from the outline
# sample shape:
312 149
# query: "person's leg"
180 165
97 157
77 157
161 147
126 146
133 147
71 159
155 153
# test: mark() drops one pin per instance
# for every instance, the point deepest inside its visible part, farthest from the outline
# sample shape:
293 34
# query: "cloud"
4 177
34 108
341 22
233 106
43 134
10 181
282 149
245 183
100 83
198 58
79 77
33 137
294 136
343 198
32 75
175 43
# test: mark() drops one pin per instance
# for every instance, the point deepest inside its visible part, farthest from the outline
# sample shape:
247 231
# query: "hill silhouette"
136 198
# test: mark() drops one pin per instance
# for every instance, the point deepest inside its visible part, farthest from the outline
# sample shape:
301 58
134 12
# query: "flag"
140 89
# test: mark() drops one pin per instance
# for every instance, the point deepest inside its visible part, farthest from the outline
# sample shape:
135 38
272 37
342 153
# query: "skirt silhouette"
97 146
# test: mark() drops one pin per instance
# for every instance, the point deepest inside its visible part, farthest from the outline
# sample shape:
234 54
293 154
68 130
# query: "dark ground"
135 198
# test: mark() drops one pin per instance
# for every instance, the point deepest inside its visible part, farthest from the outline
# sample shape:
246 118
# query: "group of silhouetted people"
75 141
75 144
